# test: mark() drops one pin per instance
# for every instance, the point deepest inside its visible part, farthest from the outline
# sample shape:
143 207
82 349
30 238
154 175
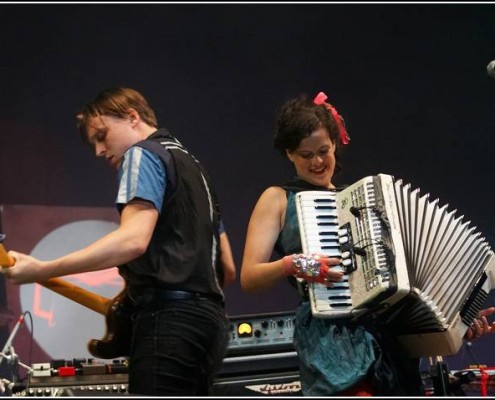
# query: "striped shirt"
142 176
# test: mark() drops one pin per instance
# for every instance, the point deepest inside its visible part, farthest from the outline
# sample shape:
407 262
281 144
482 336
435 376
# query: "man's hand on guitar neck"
27 269
21 268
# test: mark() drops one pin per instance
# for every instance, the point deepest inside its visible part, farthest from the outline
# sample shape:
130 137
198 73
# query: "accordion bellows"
408 261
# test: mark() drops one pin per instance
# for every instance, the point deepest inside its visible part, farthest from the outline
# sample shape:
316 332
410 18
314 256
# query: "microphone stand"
8 343
13 358
8 353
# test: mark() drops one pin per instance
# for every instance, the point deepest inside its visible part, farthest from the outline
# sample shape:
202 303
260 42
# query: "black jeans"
177 347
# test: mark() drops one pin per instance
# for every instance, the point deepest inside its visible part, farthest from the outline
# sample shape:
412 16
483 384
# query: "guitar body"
117 340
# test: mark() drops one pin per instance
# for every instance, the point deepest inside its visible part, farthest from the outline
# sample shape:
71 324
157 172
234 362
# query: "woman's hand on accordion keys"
480 326
313 268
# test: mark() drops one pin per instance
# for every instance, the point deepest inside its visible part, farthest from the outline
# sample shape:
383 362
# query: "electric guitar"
116 342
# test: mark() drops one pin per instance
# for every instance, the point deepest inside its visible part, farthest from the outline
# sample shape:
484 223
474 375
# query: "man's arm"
227 260
127 242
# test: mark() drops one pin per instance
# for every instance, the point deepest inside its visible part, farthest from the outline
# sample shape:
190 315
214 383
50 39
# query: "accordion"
408 261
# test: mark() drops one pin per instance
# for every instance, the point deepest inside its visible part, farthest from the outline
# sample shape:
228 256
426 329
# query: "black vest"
184 252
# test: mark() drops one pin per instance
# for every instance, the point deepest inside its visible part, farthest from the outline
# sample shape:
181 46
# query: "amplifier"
261 359
261 333
269 384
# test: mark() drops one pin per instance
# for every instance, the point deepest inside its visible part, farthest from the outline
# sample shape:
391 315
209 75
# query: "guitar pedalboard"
77 377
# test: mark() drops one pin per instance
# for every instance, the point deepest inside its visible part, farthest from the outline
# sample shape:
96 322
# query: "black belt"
168 295
158 296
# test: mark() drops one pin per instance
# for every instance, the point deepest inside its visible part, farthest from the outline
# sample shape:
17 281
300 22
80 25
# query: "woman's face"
314 159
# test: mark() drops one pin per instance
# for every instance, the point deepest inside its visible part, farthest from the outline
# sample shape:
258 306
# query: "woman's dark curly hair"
298 118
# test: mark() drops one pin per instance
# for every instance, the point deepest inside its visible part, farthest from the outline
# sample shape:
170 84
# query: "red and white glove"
310 267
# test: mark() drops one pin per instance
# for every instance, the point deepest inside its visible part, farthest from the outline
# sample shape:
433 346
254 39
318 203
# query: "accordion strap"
299 185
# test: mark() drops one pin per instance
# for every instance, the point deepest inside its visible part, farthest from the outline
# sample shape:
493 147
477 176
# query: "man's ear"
133 116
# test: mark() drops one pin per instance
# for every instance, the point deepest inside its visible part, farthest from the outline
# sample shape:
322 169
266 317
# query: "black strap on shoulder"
299 185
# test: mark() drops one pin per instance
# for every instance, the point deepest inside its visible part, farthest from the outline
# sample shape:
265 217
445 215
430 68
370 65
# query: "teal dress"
335 354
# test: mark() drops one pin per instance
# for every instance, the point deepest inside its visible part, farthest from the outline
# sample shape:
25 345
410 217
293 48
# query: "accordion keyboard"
323 235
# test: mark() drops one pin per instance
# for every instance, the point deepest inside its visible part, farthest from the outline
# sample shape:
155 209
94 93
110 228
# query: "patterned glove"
310 267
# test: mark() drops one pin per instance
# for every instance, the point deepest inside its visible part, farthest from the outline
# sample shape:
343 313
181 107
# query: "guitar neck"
93 301
73 292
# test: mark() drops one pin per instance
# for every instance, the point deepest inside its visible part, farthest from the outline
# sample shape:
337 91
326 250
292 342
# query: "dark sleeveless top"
184 252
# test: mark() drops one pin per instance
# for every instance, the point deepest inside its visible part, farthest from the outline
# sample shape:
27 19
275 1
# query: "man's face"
111 137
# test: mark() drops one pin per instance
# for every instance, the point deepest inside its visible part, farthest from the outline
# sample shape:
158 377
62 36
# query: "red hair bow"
319 100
